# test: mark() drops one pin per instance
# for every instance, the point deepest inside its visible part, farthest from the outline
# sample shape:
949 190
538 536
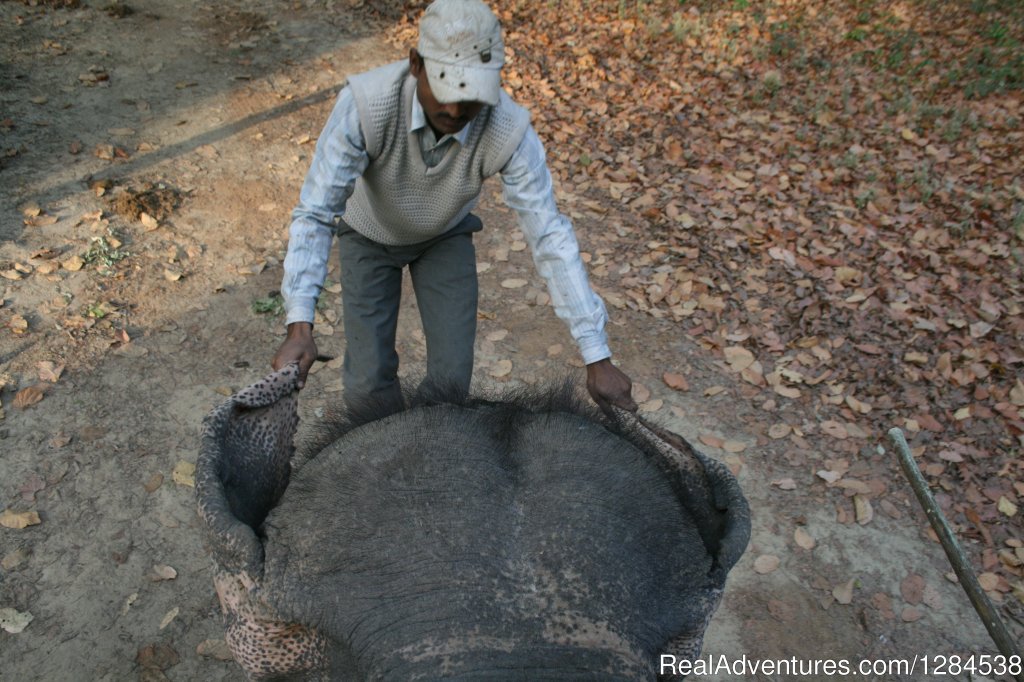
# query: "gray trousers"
444 278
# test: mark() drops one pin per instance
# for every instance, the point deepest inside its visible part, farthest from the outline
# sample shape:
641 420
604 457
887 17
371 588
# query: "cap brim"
451 83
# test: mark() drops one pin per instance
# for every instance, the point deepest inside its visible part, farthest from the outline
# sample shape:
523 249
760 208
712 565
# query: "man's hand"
298 347
608 385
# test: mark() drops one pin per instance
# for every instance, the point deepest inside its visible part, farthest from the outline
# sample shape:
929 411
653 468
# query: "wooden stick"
954 551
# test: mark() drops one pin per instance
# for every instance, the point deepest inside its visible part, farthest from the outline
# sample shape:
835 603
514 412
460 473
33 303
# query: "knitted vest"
398 200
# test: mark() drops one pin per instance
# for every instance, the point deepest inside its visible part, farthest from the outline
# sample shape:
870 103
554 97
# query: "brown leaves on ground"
19 520
827 197
28 396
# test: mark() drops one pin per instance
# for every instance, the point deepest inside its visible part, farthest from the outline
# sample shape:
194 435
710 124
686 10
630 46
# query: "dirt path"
215 112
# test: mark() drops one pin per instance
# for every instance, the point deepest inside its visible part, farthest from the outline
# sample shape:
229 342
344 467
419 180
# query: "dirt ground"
205 118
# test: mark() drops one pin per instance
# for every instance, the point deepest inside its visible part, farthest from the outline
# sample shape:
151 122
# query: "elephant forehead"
443 516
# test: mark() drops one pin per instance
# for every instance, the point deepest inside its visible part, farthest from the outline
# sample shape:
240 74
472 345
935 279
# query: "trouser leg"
371 283
445 281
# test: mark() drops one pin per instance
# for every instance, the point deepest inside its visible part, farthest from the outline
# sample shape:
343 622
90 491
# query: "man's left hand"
608 385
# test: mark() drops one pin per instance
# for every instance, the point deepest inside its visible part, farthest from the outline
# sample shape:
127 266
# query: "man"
397 170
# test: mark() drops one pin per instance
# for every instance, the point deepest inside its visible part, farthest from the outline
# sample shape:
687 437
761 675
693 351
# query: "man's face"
445 119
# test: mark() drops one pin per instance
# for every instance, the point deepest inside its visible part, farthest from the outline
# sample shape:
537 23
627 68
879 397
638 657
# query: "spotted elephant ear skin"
244 466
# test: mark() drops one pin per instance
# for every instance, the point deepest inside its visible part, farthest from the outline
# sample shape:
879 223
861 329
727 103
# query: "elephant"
520 536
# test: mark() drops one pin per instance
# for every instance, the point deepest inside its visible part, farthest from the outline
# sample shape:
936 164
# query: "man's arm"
528 190
339 160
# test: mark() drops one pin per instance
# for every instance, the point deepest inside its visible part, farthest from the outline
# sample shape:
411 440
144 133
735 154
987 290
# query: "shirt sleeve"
339 160
528 190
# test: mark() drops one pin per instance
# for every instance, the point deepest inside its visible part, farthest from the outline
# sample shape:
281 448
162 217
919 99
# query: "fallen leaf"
857 405
912 588
171 615
915 358
59 440
804 539
154 483
497 335
514 283
1007 507
14 621
777 431
48 371
785 484
27 397
502 368
1017 393
738 357
862 509
734 446
929 422
931 597
184 473
787 391
14 559
844 593
19 520
710 440
132 598
834 429
162 572
829 476
131 350
651 405
766 563
217 649
641 393
980 329
989 581
677 382
911 614
713 390
30 487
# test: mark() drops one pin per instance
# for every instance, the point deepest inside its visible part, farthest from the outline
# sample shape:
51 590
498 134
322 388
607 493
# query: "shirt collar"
419 120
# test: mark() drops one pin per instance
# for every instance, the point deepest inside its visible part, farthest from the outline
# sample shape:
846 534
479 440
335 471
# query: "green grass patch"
269 305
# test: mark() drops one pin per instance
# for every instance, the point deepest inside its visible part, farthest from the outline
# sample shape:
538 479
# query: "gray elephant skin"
527 537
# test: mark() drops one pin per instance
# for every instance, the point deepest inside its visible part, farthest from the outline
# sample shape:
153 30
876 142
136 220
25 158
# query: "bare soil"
204 118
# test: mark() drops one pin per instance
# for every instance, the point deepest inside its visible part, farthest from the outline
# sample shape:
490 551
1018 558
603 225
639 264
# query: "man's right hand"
298 347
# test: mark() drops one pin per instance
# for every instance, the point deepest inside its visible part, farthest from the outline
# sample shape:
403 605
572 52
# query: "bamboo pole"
954 552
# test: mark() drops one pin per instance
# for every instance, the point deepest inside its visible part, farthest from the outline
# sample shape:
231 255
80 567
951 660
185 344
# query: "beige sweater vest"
399 200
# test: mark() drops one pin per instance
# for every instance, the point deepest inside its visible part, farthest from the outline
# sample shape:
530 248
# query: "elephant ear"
705 487
244 465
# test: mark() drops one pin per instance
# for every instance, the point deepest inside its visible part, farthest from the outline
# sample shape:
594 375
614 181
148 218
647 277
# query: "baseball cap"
460 42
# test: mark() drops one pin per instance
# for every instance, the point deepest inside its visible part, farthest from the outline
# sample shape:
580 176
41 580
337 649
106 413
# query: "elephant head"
524 537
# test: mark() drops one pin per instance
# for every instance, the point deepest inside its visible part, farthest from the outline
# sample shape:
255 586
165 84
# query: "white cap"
460 42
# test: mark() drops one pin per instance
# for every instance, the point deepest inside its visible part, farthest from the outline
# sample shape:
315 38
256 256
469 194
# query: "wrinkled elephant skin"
520 538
